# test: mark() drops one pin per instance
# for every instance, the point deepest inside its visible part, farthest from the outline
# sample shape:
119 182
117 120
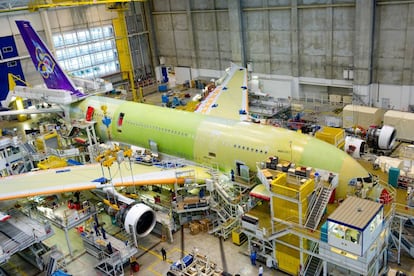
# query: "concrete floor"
225 254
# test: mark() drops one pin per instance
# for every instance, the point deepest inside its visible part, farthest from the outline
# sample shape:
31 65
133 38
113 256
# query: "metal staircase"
28 148
33 254
54 260
111 264
16 240
358 99
318 207
226 220
407 245
314 264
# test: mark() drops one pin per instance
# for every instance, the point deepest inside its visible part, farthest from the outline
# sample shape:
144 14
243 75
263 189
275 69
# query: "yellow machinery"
238 236
52 162
292 194
18 103
112 205
332 135
48 140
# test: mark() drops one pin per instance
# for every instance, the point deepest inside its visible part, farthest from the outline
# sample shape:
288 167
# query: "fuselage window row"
167 130
249 149
149 126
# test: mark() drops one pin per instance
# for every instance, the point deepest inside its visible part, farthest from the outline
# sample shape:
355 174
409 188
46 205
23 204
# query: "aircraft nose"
350 169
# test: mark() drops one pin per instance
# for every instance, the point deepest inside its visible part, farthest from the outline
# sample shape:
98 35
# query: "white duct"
385 163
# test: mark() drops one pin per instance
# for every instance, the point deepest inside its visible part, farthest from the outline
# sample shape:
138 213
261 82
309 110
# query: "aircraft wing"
229 99
31 111
86 177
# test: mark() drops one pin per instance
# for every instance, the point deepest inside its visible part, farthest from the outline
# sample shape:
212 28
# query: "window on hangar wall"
87 53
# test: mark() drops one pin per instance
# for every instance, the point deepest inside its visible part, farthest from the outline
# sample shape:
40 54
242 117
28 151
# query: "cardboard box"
204 224
194 228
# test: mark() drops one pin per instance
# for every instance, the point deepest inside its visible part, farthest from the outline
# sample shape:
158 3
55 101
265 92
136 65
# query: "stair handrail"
312 205
319 210
314 249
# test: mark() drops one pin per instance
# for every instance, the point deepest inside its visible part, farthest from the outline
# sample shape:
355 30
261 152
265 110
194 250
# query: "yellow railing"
404 210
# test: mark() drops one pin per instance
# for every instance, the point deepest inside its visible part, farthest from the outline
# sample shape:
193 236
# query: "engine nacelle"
140 218
355 147
381 138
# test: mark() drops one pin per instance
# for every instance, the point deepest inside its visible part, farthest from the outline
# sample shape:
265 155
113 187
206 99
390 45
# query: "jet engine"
381 138
138 218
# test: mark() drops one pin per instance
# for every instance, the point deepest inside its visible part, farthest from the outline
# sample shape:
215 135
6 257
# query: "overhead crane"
34 5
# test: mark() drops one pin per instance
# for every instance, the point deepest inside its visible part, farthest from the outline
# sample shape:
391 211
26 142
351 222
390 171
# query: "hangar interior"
152 175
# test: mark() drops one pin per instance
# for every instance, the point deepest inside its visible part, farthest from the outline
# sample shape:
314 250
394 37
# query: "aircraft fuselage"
212 140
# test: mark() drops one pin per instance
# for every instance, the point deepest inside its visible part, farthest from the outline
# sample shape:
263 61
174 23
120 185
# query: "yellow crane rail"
47 4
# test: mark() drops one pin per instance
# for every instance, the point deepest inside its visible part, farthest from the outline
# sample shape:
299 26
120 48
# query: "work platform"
111 252
20 232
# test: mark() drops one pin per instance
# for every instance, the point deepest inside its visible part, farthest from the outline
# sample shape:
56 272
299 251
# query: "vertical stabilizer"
44 61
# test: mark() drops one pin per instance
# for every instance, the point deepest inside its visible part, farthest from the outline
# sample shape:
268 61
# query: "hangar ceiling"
12 5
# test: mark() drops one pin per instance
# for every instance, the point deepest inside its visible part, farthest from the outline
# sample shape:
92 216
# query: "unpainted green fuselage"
212 140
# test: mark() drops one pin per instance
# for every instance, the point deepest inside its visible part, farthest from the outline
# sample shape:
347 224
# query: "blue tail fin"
44 62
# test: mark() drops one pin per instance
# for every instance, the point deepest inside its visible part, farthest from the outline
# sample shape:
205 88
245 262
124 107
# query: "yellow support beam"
122 45
18 103
34 5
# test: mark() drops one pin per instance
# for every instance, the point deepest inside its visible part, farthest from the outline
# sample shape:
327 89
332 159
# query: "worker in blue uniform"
95 226
253 257
103 233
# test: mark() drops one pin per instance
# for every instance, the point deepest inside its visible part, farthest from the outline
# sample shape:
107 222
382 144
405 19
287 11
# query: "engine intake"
139 218
381 138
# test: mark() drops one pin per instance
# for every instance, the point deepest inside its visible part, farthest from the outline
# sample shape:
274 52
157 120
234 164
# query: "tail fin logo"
44 61
45 64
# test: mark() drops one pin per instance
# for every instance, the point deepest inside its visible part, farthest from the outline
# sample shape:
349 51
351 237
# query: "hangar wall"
297 47
312 41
